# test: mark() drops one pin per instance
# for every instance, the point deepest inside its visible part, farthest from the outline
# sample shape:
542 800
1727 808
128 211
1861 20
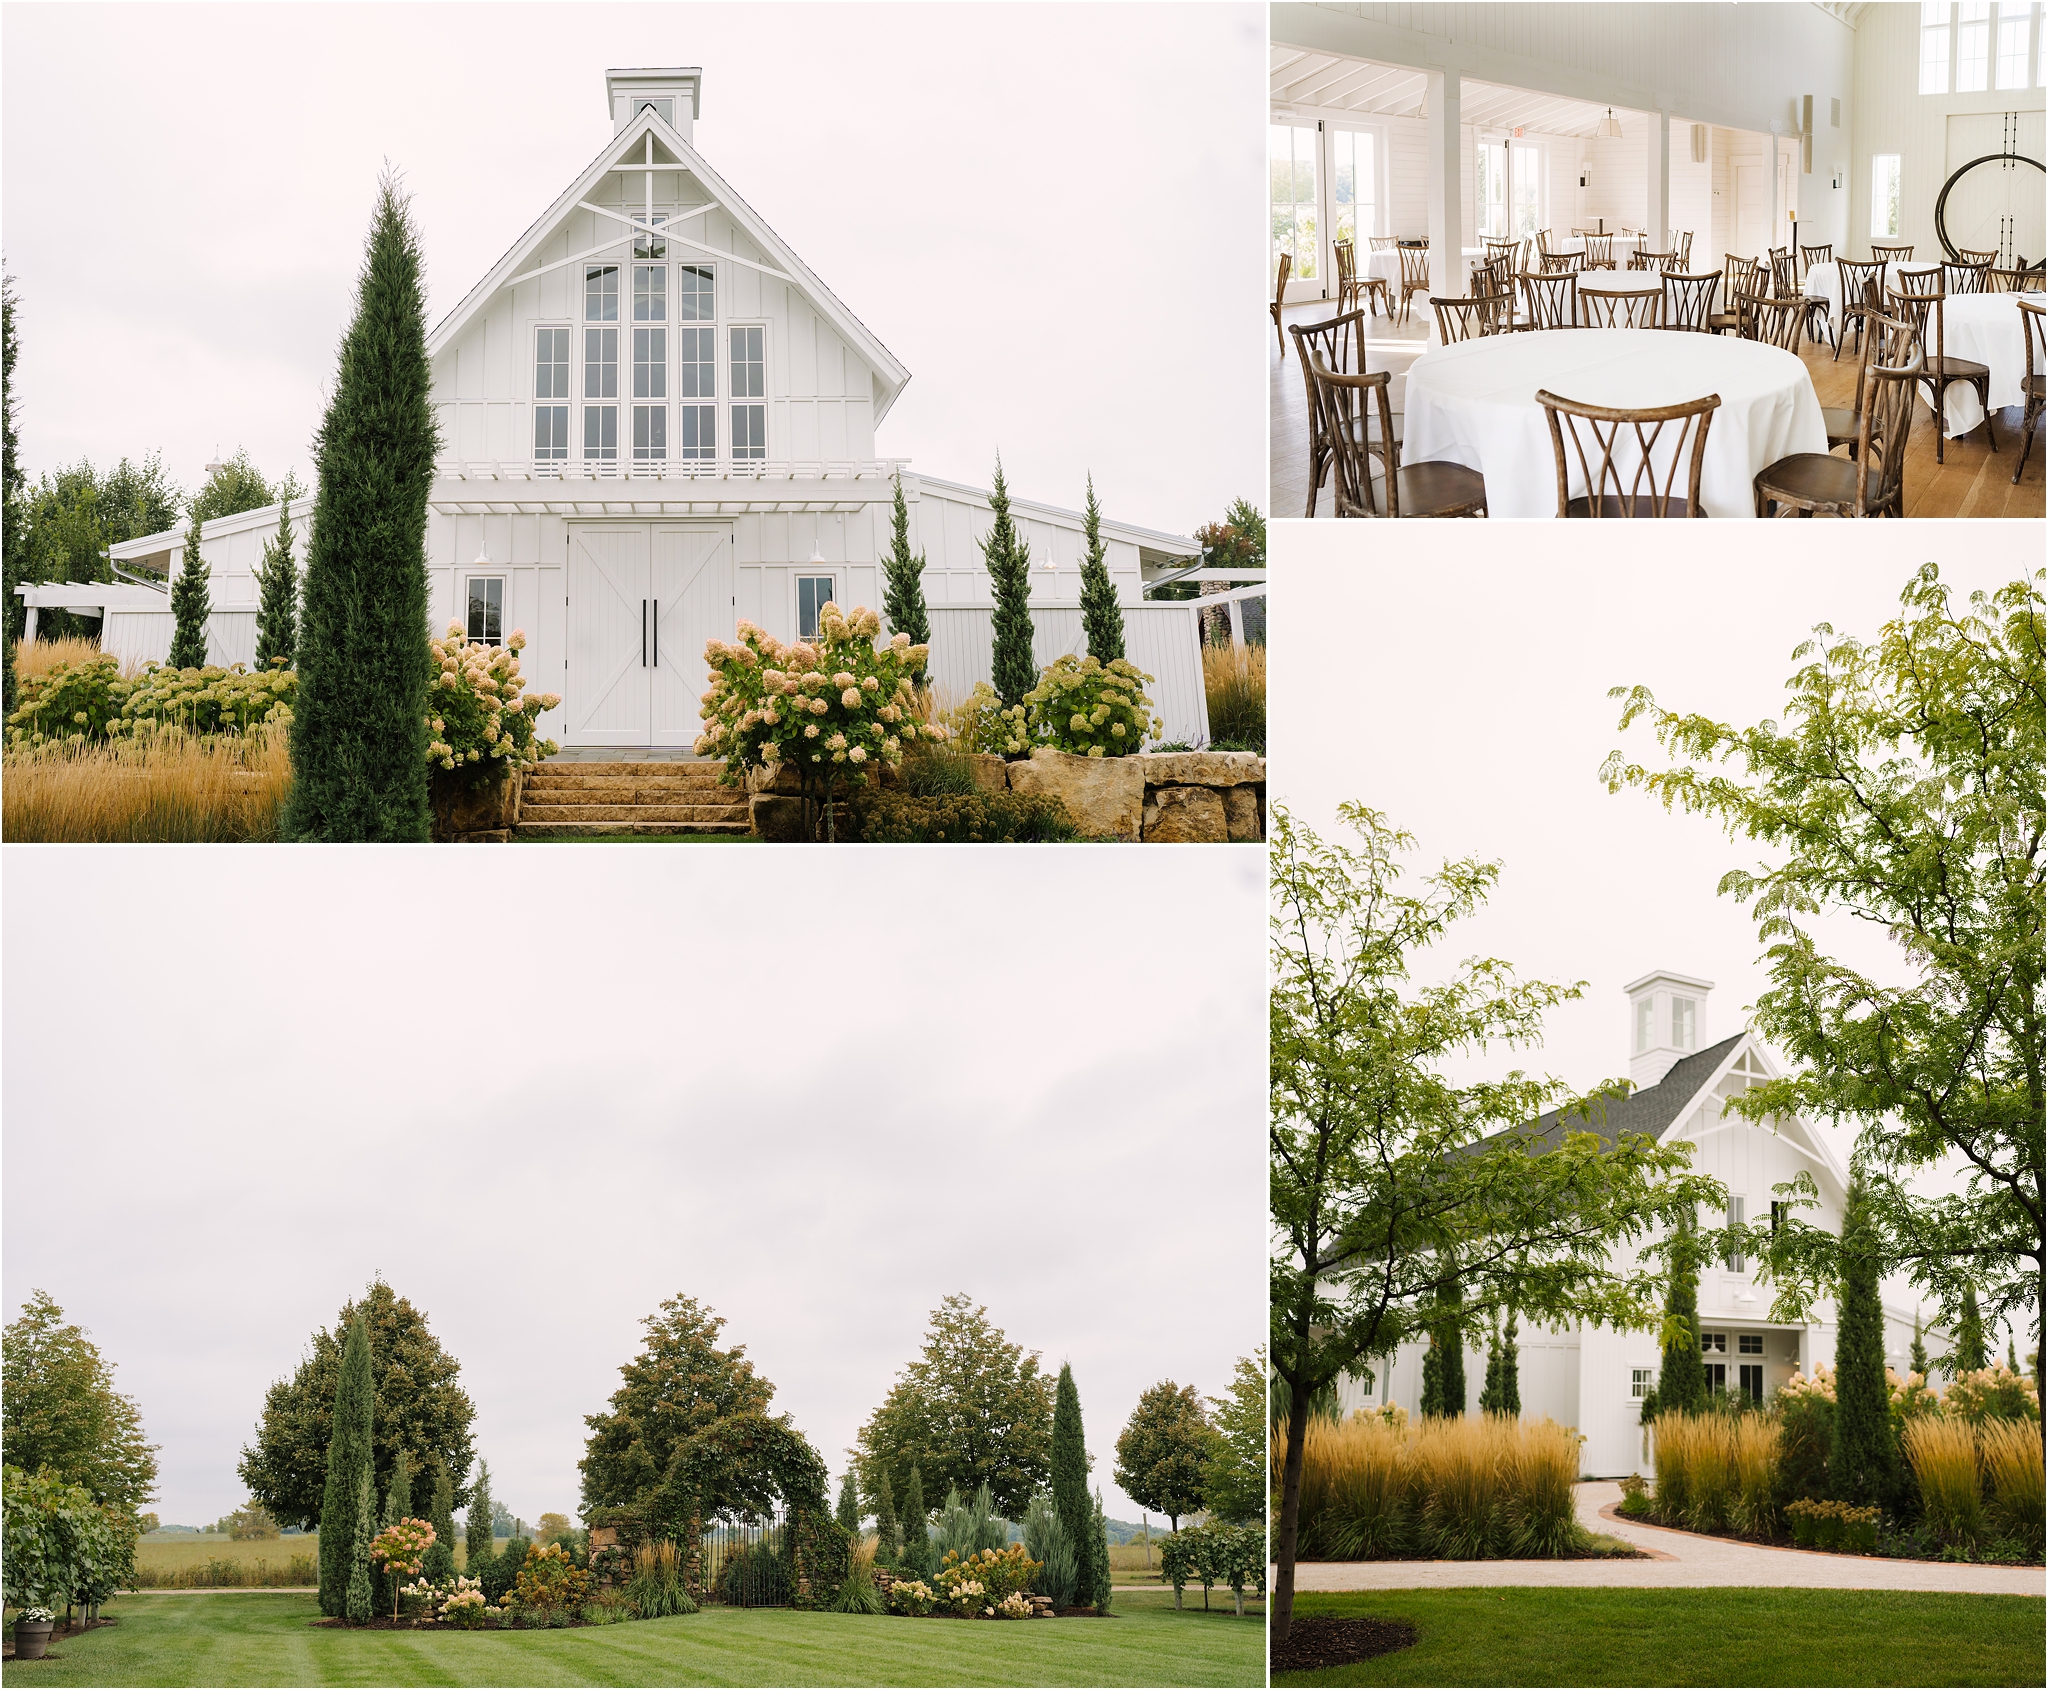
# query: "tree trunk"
1282 1618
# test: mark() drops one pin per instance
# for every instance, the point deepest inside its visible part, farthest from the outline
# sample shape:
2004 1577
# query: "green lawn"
269 1639
1521 1636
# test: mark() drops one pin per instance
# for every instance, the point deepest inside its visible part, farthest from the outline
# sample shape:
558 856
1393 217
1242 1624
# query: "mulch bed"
1313 1643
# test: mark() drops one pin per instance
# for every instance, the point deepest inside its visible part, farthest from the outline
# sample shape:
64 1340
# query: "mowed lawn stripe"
270 1639
1519 1635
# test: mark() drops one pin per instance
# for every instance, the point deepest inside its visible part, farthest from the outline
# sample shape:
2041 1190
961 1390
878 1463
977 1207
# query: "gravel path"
1684 1559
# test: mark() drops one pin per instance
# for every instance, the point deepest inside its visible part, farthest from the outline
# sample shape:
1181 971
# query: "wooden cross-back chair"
1770 318
1967 277
1922 307
1471 319
1384 243
1889 343
1689 301
1892 252
1617 453
1599 252
1497 249
1542 239
1351 403
1873 481
1340 342
1552 300
1809 256
1644 259
1738 276
1978 255
2034 328
1561 263
1637 308
1681 243
1862 297
1355 288
1784 272
1414 276
1280 299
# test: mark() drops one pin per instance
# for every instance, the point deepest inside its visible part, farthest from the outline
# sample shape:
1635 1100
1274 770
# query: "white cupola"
1667 1020
674 93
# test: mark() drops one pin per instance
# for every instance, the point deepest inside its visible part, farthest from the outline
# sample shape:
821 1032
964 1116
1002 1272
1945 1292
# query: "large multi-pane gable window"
650 363
601 363
1971 46
551 393
749 422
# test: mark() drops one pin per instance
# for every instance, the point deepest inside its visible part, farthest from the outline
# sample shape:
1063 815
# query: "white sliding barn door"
690 602
607 690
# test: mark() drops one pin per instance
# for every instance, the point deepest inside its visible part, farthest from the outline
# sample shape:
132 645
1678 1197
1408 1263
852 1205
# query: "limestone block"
777 817
781 778
1186 815
1241 812
1105 795
1202 768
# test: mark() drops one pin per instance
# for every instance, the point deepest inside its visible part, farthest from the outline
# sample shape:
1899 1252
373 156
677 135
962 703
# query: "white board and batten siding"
232 547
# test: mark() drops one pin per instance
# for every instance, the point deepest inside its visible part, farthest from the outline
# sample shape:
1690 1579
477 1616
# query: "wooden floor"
1974 481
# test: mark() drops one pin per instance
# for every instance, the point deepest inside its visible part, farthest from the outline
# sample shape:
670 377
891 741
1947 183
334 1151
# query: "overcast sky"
1458 681
542 1091
1040 209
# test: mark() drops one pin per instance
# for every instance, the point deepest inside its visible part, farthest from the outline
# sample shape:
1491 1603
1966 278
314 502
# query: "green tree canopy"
1162 1454
62 1415
420 1406
1904 789
1234 1481
1391 1180
689 1431
60 529
973 1409
235 485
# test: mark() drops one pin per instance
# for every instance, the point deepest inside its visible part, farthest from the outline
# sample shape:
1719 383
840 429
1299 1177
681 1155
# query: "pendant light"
1610 126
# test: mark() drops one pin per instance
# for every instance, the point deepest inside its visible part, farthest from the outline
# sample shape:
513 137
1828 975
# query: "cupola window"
1684 1023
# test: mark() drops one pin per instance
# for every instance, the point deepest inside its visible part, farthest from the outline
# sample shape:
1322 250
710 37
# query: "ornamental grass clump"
1354 1490
1234 678
1943 1453
42 656
858 1593
656 1588
165 786
1461 1518
2012 1461
1752 1502
1091 709
1540 1467
479 716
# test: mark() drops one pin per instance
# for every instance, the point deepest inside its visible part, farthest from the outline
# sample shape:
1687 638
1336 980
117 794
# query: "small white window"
1713 1343
1934 31
487 609
813 593
1639 1381
1750 1344
1884 196
601 293
662 105
1682 1022
2014 22
1735 1262
1973 46
1646 1010
650 245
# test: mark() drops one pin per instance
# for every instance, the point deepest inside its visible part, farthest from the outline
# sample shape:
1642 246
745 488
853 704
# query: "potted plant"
32 1633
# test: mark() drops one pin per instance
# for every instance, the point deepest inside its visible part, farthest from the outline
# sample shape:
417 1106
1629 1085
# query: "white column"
1446 168
1657 195
28 633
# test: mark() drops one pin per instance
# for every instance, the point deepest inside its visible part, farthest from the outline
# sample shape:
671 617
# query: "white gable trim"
891 374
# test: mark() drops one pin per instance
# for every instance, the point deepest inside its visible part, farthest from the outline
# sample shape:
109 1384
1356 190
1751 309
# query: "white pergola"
87 598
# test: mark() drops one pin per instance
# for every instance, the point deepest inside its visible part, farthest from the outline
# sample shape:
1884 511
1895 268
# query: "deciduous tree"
359 729
234 486
1101 617
1008 556
1234 1481
61 1414
420 1406
1390 1178
972 1409
191 604
1162 1453
1904 789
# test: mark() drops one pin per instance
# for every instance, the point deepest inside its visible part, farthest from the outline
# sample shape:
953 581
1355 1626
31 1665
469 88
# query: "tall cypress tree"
903 579
277 581
1098 1556
190 605
916 1558
1101 616
849 1504
1682 1375
1432 1403
1070 1468
349 1462
477 1546
440 1560
359 728
1864 1466
356 1602
1511 1372
1453 1345
1916 1362
1009 573
888 1536
1970 1352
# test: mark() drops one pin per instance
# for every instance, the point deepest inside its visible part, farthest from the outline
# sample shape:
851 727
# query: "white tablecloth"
1824 281
1475 404
1620 281
1387 265
1622 244
1986 328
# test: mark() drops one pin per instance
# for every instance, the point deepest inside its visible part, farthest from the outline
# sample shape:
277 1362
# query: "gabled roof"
892 375
1653 1110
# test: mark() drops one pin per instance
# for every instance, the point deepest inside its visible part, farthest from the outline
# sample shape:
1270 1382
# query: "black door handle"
643 633
656 620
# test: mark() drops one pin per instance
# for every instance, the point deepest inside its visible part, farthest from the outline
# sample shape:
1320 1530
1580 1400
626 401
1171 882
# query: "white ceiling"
1302 78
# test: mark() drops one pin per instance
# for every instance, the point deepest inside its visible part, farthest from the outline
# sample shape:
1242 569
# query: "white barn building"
656 420
1594 1378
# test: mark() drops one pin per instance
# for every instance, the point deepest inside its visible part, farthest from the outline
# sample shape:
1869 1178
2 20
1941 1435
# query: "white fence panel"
144 636
1161 639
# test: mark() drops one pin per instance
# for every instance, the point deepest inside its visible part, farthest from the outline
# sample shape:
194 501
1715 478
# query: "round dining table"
1387 265
1474 403
1986 329
1824 281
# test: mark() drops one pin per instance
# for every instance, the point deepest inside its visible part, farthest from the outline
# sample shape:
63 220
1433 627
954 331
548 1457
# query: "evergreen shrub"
963 818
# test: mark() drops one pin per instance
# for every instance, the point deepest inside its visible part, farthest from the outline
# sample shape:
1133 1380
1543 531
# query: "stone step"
559 791
532 812
651 770
580 829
